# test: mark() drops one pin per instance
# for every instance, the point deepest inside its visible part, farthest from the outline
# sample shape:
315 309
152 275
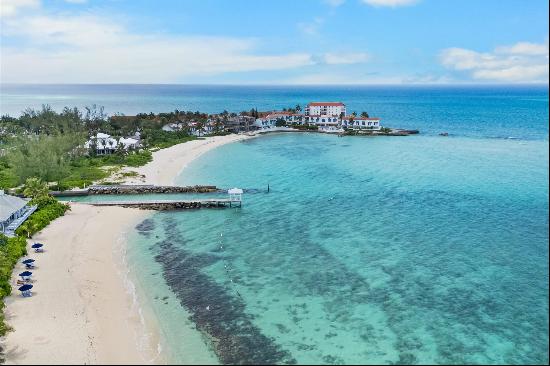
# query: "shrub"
11 249
48 210
34 188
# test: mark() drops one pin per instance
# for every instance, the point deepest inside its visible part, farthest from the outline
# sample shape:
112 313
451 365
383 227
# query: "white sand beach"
168 163
81 310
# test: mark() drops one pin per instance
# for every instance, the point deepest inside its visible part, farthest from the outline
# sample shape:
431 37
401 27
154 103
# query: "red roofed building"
328 109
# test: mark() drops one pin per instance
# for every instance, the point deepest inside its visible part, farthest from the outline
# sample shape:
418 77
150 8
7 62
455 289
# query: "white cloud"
89 48
324 78
390 3
345 58
524 48
10 8
522 62
311 28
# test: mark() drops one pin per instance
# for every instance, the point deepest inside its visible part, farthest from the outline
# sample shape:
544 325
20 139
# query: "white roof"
128 141
10 204
235 191
107 143
101 135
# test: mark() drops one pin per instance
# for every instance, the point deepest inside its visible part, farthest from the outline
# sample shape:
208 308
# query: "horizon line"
292 85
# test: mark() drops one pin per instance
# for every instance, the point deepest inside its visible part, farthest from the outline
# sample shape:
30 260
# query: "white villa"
13 212
361 123
129 143
328 109
105 144
270 121
327 116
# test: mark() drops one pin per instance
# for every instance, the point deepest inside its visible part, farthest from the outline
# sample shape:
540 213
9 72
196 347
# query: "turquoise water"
421 249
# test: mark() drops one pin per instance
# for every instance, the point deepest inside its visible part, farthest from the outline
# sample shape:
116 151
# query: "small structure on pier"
235 196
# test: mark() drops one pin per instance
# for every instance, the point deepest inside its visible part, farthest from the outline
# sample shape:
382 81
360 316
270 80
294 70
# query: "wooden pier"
166 205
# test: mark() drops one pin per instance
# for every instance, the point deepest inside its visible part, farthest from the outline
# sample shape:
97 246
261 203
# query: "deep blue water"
475 111
420 249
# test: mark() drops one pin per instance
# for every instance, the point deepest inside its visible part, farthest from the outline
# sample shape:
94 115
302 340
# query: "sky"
274 41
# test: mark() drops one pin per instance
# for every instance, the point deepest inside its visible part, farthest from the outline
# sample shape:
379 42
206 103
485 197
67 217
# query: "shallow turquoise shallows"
365 250
418 249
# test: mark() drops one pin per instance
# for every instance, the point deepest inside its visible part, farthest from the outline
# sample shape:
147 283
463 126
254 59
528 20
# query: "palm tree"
35 188
298 108
364 115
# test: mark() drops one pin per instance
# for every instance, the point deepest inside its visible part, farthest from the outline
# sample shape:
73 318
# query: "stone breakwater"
134 189
145 189
172 205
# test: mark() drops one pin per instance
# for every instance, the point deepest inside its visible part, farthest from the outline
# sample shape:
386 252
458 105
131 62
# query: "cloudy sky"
274 41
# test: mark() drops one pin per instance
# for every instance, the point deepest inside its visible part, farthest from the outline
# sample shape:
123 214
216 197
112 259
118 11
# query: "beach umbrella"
28 261
25 274
25 288
37 245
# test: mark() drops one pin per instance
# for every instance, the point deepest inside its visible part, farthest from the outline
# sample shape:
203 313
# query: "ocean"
397 250
474 111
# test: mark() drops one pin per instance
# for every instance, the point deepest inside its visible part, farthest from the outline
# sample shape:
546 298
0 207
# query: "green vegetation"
163 139
11 249
48 210
280 122
35 188
7 176
305 127
50 145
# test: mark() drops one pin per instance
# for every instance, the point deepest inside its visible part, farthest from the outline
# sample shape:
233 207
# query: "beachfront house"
239 123
105 144
13 212
129 143
271 119
361 123
171 127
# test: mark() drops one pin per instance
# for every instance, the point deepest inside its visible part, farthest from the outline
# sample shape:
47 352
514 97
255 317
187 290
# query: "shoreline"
85 308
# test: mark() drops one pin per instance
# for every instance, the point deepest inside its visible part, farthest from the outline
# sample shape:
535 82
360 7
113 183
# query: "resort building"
270 120
328 109
327 116
361 123
13 212
325 123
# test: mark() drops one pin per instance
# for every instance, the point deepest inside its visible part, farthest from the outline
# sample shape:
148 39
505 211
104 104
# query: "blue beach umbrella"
28 261
25 288
37 245
25 274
